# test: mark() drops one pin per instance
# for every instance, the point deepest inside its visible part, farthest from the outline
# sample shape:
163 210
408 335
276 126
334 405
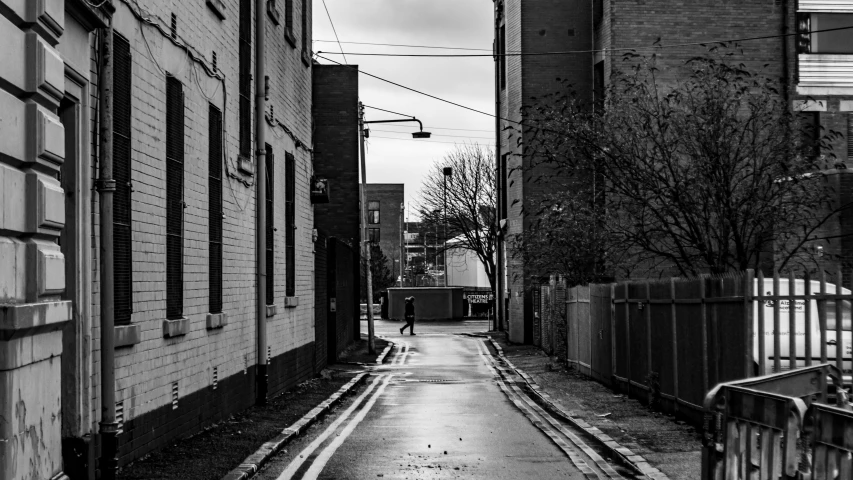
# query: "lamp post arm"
421 125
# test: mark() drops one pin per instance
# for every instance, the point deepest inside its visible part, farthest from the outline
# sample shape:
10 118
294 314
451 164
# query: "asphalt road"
437 408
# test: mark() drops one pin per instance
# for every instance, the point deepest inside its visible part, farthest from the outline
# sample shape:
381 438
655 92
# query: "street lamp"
448 171
371 344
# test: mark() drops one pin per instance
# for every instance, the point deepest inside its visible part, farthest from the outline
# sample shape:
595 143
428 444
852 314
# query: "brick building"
385 221
184 223
813 68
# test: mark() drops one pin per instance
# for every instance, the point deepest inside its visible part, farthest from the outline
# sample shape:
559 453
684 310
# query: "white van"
800 326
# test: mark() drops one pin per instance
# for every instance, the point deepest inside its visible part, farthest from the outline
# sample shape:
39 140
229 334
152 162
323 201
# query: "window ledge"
217 7
127 335
245 165
288 35
271 310
216 320
273 13
291 302
176 328
306 59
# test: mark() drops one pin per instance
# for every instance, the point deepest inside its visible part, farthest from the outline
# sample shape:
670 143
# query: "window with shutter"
290 223
123 261
270 159
174 198
215 206
245 90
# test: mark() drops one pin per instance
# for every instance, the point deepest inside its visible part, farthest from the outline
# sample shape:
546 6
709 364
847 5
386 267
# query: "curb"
628 457
253 463
381 358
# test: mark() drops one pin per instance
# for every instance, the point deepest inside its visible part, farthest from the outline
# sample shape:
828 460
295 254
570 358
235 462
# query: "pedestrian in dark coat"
409 316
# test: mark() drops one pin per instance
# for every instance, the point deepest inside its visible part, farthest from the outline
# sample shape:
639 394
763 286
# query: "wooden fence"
671 341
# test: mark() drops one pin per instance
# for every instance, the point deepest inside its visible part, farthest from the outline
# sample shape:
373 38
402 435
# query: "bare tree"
471 202
706 173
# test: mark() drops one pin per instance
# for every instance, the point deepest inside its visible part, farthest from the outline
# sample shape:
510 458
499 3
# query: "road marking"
400 357
297 462
536 414
320 462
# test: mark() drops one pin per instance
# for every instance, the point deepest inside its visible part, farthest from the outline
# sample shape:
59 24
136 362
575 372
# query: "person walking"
410 316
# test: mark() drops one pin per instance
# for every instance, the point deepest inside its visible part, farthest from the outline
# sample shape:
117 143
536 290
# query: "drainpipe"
785 52
261 204
500 314
106 187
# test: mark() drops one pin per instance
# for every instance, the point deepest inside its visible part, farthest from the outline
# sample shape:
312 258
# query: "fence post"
762 339
777 323
674 345
821 313
704 316
792 320
612 332
648 308
749 327
839 340
808 311
628 336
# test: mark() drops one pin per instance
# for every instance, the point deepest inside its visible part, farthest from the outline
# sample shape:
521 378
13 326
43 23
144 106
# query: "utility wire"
603 50
435 134
430 127
333 29
388 111
416 140
415 91
409 46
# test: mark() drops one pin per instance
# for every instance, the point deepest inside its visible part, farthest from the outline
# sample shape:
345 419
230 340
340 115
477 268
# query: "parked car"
823 315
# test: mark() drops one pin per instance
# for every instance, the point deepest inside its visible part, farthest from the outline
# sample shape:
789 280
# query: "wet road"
437 408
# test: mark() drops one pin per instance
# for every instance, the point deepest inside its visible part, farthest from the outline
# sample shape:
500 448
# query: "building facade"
385 202
813 70
182 135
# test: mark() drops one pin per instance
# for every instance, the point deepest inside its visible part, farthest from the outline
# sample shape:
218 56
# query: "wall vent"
214 61
174 26
215 377
175 396
120 417
245 364
269 354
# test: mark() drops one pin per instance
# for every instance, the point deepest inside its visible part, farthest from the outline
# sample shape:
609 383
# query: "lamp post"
448 171
371 343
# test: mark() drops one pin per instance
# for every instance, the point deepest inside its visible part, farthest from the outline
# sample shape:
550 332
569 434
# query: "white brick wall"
145 372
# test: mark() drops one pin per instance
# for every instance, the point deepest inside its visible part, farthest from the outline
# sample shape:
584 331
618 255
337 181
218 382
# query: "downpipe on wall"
262 376
108 427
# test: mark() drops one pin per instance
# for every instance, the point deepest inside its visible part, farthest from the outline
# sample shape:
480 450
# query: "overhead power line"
409 46
602 50
333 28
432 127
388 111
419 140
435 134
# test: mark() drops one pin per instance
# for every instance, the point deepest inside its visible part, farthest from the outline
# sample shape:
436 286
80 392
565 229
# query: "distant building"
813 69
385 208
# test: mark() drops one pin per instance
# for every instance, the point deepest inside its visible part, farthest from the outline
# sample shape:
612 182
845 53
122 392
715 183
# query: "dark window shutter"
290 224
245 90
174 198
122 251
215 206
270 160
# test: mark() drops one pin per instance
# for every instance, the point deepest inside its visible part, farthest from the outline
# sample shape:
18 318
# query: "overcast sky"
468 81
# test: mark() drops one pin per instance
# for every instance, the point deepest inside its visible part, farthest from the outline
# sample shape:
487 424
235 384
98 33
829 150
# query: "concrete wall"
431 303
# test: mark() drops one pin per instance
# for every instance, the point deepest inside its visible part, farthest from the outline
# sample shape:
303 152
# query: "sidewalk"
671 446
214 452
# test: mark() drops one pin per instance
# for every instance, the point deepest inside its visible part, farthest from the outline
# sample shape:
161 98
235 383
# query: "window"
214 197
290 223
373 213
810 131
270 160
288 22
502 58
373 235
305 4
122 258
245 66
834 42
598 83
174 198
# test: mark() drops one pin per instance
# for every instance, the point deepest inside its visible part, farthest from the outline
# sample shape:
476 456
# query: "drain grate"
435 380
